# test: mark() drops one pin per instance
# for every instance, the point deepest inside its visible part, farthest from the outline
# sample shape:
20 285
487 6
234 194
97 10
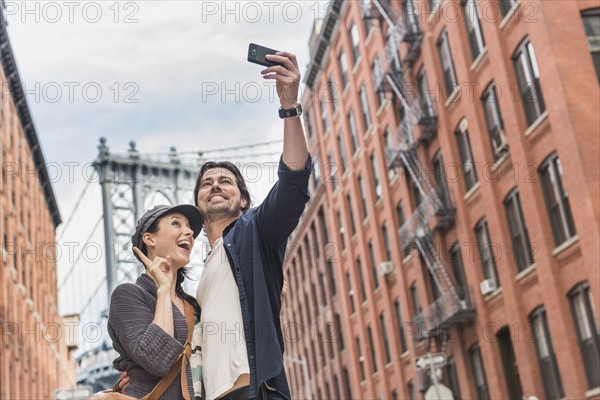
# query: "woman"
147 320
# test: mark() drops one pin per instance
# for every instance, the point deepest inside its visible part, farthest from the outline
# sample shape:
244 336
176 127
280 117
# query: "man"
239 292
241 285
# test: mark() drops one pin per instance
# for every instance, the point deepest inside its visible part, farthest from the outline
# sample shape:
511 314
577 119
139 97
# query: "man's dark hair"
239 179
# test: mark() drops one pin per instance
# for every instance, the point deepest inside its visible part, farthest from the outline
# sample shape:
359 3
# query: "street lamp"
304 364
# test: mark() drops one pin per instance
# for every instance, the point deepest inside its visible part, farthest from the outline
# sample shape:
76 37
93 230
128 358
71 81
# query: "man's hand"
124 380
286 75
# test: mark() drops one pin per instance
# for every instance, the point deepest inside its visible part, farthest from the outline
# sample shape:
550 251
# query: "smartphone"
257 53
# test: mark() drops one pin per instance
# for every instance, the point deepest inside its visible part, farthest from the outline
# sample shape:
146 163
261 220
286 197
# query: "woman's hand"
159 269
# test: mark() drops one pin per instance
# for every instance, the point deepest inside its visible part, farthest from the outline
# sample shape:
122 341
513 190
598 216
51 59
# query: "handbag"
165 382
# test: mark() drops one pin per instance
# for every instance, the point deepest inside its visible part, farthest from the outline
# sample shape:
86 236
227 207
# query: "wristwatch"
295 111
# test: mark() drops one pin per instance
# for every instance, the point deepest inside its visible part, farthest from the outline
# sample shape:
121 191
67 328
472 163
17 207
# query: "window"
322 289
363 197
386 341
350 292
400 213
376 180
342 150
386 242
451 377
509 363
486 253
458 269
361 280
353 131
343 68
506 5
323 225
426 103
342 230
400 325
414 296
586 324
521 246
331 278
557 200
373 264
478 373
591 24
324 115
354 39
336 387
389 149
528 79
340 332
366 112
349 203
377 76
466 155
361 359
440 180
315 241
411 390
347 388
546 356
493 119
409 14
332 89
474 33
372 348
450 81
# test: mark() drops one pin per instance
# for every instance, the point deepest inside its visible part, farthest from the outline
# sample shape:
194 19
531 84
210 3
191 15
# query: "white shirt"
224 354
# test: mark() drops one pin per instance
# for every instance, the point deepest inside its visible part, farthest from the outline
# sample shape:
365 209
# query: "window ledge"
335 114
471 192
509 15
370 130
501 161
404 355
478 60
13 273
536 124
565 245
345 90
357 65
369 36
452 97
526 272
382 107
357 154
22 288
593 392
493 295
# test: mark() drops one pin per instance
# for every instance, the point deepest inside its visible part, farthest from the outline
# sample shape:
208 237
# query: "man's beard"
221 213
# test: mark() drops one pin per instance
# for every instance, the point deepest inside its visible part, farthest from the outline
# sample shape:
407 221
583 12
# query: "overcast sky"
162 73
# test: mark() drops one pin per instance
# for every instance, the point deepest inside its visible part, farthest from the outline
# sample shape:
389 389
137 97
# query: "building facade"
34 357
452 236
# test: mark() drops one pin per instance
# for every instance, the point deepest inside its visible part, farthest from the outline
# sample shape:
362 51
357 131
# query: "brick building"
454 202
34 358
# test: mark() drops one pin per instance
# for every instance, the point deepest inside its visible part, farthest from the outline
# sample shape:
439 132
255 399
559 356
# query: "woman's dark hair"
181 274
239 180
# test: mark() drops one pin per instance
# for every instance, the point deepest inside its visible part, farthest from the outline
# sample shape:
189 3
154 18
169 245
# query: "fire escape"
435 213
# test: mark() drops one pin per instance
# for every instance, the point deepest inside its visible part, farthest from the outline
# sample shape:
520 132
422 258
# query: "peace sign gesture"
159 269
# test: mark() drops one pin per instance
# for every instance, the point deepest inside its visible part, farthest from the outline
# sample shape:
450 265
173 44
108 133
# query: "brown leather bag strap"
177 367
187 350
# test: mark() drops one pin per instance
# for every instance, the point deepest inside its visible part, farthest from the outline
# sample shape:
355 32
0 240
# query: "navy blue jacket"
255 244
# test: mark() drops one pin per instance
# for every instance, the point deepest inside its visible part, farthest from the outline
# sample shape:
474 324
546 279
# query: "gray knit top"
145 350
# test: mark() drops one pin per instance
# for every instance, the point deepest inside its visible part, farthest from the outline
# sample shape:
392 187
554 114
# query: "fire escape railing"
435 211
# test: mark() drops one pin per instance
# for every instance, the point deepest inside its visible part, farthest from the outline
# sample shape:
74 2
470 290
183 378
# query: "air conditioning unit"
386 268
499 141
487 286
